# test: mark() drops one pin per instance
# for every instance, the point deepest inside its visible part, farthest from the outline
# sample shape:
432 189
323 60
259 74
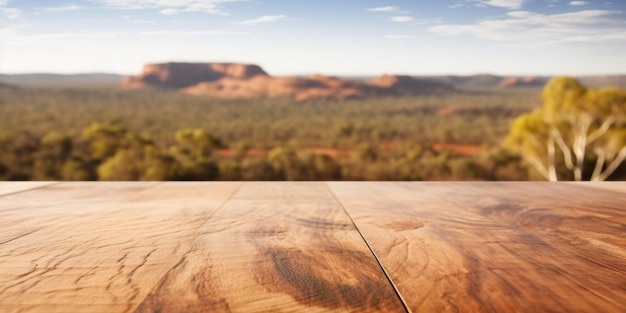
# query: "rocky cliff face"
228 80
528 81
312 87
180 75
402 84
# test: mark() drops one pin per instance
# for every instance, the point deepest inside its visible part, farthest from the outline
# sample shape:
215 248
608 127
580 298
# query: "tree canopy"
578 133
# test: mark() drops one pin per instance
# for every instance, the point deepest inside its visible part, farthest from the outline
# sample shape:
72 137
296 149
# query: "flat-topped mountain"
403 84
492 81
232 80
180 75
528 81
187 75
307 88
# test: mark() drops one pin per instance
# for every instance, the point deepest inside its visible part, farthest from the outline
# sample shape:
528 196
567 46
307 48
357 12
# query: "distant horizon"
340 38
331 74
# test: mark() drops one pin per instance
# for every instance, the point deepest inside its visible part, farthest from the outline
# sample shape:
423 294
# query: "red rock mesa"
232 80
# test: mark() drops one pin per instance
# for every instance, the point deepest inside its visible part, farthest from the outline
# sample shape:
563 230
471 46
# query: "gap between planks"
281 203
165 275
382 267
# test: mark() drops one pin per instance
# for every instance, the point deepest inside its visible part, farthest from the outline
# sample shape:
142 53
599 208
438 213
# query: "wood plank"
496 247
610 185
20 186
276 247
97 247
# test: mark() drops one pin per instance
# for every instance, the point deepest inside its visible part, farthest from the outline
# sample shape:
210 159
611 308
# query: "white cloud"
401 19
263 19
578 3
12 37
456 5
177 33
399 36
522 14
169 11
15 38
534 28
12 13
426 21
509 4
171 6
140 21
67 7
383 9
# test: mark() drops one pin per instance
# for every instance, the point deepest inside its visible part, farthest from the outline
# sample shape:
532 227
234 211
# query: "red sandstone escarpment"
527 81
313 87
230 80
402 84
180 75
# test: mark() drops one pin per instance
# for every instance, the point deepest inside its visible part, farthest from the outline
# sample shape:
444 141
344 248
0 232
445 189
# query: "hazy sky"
338 37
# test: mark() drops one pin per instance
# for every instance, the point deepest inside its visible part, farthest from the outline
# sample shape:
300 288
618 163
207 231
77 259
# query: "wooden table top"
312 247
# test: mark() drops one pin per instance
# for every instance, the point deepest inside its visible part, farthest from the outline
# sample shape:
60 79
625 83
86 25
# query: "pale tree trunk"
582 139
548 171
621 156
597 171
567 152
537 164
551 167
602 130
580 128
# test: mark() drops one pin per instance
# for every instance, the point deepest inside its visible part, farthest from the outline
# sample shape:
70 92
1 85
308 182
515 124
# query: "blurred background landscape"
361 90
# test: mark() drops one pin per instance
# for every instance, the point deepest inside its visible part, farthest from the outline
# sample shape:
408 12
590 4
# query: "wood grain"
610 185
276 247
15 187
97 247
305 247
496 247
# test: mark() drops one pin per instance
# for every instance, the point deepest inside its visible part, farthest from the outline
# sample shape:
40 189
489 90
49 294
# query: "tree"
78 169
192 152
576 126
286 164
54 150
141 162
121 155
17 155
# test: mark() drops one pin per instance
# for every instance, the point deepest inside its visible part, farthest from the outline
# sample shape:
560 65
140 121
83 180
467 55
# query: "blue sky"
339 37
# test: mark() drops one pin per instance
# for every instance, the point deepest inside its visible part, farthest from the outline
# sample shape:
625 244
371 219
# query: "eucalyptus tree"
575 126
192 152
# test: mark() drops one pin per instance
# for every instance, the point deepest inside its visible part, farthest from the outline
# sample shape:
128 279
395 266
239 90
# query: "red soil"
457 148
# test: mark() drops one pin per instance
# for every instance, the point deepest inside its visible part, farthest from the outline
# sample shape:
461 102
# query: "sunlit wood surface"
312 247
